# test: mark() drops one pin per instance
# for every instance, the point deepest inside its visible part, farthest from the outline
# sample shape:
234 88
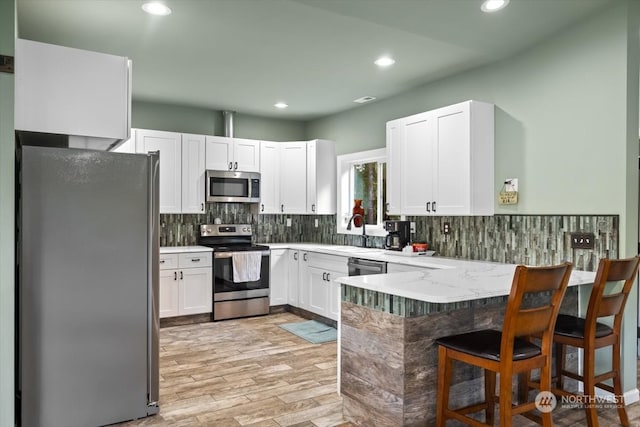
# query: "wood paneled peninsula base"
389 361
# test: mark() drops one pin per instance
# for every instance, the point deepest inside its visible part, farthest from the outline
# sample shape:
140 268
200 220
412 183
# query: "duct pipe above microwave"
228 123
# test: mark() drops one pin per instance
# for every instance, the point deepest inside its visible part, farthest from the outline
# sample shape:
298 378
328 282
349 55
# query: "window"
362 176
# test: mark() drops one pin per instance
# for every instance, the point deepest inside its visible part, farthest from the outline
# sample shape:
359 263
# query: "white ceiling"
316 55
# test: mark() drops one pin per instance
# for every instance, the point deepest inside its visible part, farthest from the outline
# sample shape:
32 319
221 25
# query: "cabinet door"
417 165
170 147
246 155
219 153
293 177
196 290
294 278
193 173
335 297
452 179
395 140
321 177
304 280
168 299
71 91
279 275
269 177
318 291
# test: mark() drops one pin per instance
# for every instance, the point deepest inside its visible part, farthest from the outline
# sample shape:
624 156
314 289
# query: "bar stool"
507 352
590 335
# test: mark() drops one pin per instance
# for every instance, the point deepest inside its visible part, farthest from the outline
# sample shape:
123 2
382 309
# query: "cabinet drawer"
194 259
329 262
168 261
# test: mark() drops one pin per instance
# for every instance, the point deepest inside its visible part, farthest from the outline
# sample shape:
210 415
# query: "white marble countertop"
448 280
183 249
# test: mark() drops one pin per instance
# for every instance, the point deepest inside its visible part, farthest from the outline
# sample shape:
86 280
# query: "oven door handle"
230 254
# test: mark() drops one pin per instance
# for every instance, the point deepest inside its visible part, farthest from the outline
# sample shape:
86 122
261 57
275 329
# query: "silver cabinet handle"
195 259
230 165
175 275
324 276
281 208
328 277
313 208
202 207
235 166
428 206
161 261
304 256
434 205
181 276
262 207
295 256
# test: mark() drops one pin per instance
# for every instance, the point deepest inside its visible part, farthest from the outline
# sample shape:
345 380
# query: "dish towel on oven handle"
246 266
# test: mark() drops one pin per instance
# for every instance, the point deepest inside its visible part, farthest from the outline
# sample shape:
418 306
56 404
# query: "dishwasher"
361 267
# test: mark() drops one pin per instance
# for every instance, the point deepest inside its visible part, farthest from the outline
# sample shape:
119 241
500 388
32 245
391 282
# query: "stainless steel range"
240 271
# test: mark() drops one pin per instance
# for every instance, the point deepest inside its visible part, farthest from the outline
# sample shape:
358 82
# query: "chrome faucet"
365 238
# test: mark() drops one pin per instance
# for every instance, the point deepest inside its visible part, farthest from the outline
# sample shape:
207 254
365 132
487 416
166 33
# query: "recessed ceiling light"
384 61
364 99
493 5
156 8
280 105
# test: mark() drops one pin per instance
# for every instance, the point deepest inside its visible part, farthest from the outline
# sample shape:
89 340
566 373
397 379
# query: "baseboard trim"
630 396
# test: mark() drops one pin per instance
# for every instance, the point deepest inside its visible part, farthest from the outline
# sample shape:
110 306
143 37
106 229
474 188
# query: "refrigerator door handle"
153 278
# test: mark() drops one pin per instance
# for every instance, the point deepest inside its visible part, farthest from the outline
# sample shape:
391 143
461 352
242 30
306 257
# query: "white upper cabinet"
169 144
293 177
298 177
321 177
232 154
395 140
181 168
71 91
219 153
193 147
246 155
417 157
269 177
441 161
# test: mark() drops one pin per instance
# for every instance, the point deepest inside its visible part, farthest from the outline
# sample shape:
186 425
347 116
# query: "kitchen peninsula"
388 326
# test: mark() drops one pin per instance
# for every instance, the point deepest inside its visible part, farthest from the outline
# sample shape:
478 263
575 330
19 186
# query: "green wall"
566 126
7 156
176 118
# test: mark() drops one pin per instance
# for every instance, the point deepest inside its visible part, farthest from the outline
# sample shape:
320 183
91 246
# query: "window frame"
344 188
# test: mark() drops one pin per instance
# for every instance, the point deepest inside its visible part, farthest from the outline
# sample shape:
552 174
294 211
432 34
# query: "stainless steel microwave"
238 187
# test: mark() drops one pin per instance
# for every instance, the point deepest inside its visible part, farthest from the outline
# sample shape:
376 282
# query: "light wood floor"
250 372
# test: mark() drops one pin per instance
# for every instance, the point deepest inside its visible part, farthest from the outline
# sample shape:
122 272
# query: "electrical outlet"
316 223
412 226
446 228
583 241
288 222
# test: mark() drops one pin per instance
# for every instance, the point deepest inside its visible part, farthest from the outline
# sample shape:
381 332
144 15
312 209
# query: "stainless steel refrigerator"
88 286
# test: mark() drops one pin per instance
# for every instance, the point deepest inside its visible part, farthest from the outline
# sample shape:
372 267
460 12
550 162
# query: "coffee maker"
399 234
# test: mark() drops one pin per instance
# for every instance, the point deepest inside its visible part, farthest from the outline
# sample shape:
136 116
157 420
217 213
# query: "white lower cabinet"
318 291
169 292
186 281
322 289
293 278
279 277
